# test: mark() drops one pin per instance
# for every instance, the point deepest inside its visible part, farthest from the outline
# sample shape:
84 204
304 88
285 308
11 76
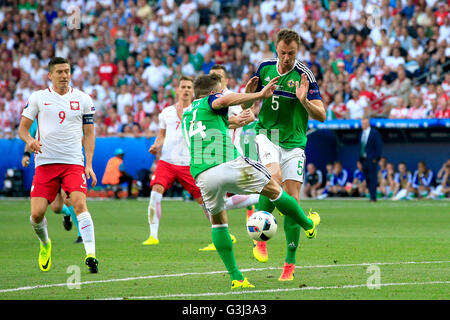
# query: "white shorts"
292 161
240 176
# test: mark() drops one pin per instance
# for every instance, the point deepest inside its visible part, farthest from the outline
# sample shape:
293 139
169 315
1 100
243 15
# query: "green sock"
292 234
224 246
288 206
74 219
264 204
65 210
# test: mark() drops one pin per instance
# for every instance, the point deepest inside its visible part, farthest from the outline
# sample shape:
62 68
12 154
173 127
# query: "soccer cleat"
79 240
92 263
150 241
45 256
67 223
288 272
236 284
260 251
209 247
314 216
212 247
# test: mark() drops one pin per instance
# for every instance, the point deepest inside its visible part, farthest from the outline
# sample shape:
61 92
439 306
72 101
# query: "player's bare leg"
39 224
154 214
86 225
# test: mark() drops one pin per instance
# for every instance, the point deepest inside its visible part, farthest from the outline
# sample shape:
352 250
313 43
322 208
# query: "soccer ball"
261 226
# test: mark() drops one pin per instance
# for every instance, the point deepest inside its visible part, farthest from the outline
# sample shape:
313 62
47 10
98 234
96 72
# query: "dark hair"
220 67
204 84
56 60
288 35
185 78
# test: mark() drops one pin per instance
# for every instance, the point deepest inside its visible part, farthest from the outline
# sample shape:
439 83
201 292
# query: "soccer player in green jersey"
218 167
281 130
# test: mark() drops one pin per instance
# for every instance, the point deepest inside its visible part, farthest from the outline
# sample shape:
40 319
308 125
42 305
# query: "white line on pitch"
212 294
215 272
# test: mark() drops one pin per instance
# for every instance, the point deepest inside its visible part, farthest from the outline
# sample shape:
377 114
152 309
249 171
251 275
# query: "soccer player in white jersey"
237 119
65 119
174 161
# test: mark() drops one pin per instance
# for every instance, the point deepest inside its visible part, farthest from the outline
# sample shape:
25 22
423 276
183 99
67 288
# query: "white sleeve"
32 107
88 105
162 122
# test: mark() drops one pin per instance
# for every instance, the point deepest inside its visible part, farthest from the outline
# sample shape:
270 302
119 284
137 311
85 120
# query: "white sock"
40 229
241 201
87 232
154 213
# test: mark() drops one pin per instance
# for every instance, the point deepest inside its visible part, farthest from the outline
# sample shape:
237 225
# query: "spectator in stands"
422 182
107 70
115 173
338 108
359 186
402 180
399 110
314 181
442 189
339 181
323 192
357 105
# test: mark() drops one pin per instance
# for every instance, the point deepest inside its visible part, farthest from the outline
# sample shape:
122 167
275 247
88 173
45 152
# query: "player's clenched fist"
154 149
34 145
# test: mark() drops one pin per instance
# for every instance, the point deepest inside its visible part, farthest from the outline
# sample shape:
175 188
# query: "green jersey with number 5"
283 114
205 131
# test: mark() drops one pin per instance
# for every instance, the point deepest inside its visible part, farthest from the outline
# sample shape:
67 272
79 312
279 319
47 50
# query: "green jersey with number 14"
206 133
283 114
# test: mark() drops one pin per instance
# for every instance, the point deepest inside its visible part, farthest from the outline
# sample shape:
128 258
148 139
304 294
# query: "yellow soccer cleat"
92 263
150 241
45 256
314 216
260 251
288 272
236 284
211 247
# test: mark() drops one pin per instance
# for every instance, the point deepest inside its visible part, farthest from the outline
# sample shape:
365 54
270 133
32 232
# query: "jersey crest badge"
74 105
267 79
290 83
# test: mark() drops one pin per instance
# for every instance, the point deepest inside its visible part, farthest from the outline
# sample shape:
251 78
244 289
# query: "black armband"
26 153
88 118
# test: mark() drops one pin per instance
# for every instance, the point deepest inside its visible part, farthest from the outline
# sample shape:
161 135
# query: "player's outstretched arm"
89 146
24 134
245 99
159 141
315 108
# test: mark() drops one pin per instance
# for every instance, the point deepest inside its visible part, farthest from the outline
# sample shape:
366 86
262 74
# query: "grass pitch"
406 244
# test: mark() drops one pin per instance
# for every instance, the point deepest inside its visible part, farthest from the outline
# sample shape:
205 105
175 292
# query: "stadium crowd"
384 58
